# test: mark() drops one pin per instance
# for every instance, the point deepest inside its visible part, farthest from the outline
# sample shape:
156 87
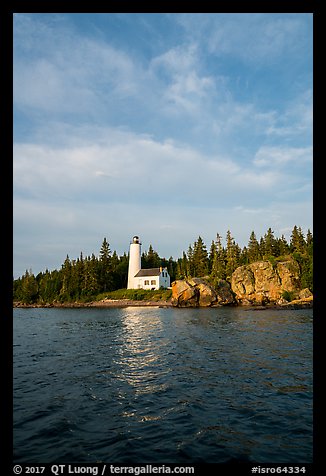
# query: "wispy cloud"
251 37
281 156
124 157
71 73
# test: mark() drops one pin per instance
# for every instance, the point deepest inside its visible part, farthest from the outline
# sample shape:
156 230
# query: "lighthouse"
134 261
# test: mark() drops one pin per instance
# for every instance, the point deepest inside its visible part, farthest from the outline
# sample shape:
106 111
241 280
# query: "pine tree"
244 256
262 247
90 284
172 268
309 239
297 241
253 248
183 267
190 264
232 255
200 258
105 270
211 256
29 290
270 248
283 246
307 271
151 259
219 260
105 252
66 277
121 272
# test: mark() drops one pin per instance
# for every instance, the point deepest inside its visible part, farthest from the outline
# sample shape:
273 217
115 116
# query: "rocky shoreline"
261 284
121 303
118 303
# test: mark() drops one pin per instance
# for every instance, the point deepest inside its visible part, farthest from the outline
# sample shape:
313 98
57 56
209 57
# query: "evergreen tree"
105 252
183 267
190 264
151 259
297 241
270 248
105 271
200 258
172 268
43 280
211 256
232 255
262 247
254 253
244 256
283 246
90 285
64 295
122 272
29 288
307 267
219 260
309 239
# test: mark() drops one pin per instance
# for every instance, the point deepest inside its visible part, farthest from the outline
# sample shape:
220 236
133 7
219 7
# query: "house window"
153 281
146 282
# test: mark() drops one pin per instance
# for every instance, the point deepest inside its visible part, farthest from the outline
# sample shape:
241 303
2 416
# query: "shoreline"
121 303
104 303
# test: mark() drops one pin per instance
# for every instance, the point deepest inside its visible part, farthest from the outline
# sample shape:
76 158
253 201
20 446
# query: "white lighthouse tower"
134 261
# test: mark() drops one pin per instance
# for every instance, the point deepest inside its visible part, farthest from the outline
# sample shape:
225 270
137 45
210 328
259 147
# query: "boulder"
289 274
206 293
305 294
243 282
197 292
184 294
224 294
261 282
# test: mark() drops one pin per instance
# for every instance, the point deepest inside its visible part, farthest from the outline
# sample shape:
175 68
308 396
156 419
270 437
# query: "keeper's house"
153 278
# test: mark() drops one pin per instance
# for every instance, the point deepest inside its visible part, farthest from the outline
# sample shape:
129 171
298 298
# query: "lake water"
152 385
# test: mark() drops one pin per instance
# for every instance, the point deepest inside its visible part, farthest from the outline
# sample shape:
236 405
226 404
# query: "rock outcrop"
261 282
254 284
197 292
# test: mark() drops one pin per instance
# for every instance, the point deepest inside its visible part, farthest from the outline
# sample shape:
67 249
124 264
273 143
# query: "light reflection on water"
166 385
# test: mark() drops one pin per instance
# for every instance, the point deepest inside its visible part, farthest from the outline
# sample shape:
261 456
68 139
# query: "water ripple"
140 385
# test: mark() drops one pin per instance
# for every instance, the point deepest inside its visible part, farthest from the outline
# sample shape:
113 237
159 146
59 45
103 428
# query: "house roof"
148 272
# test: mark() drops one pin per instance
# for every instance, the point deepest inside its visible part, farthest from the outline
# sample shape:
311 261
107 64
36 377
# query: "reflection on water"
165 385
141 351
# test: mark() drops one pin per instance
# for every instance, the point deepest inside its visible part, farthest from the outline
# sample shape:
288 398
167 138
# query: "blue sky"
167 126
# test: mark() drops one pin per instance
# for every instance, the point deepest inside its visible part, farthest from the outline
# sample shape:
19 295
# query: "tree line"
85 278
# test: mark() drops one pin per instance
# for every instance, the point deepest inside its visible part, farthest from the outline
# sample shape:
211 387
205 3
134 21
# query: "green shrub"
288 295
137 294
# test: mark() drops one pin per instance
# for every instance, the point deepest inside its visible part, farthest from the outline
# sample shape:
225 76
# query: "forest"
86 278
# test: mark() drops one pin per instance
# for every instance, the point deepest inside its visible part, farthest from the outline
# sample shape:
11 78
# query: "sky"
166 126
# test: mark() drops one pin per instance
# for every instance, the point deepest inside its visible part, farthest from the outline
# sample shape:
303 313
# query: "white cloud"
255 37
123 166
176 60
185 86
278 156
296 121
